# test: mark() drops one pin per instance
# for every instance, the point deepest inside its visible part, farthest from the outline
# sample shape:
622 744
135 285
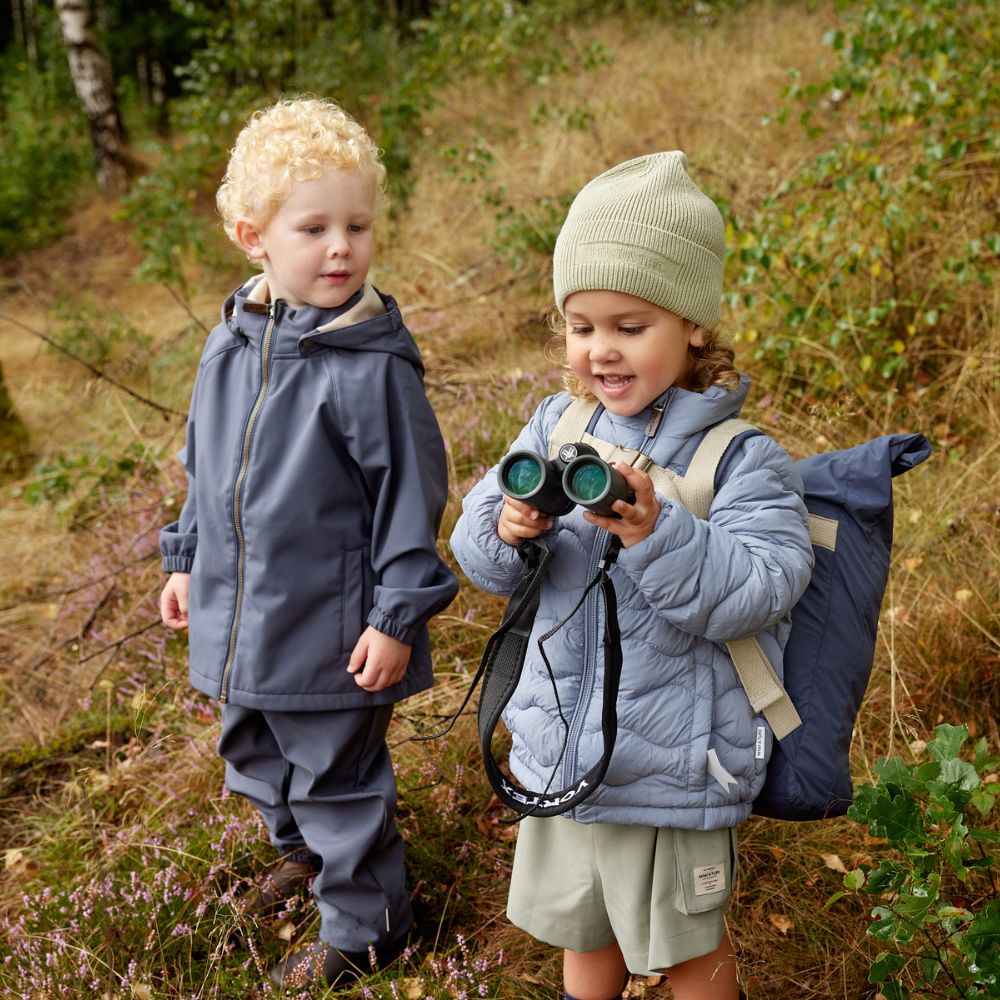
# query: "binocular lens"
588 481
523 476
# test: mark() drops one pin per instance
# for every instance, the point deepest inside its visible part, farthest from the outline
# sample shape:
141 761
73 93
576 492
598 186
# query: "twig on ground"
167 411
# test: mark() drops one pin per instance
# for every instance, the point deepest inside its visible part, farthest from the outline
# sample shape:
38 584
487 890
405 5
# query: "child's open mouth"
615 385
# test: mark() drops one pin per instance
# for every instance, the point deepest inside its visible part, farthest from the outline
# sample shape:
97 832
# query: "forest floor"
107 763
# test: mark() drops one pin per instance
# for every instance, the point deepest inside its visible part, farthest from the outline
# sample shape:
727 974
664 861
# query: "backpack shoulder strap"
697 486
765 692
697 490
572 425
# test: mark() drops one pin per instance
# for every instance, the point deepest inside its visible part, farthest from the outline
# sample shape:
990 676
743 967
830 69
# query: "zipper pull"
653 424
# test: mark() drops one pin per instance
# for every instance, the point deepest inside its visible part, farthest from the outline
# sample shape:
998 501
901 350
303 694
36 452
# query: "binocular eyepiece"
577 476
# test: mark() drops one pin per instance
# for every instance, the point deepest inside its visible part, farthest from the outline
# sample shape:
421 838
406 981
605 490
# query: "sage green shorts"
660 893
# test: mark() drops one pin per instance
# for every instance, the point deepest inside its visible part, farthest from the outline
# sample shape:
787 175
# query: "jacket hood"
368 321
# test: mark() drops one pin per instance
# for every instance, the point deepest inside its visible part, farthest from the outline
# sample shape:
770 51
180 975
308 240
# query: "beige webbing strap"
697 486
663 479
761 683
823 532
572 425
762 686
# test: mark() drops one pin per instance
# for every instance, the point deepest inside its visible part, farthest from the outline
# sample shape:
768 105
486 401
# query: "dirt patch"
96 253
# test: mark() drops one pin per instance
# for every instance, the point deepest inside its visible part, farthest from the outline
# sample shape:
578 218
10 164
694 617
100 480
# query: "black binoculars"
577 476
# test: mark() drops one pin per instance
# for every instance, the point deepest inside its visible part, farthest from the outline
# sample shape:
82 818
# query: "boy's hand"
174 600
519 520
381 659
637 519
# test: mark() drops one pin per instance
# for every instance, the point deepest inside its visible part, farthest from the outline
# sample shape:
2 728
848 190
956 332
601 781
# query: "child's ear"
697 336
249 238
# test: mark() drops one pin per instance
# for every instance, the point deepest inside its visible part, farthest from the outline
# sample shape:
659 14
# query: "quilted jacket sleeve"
743 569
489 562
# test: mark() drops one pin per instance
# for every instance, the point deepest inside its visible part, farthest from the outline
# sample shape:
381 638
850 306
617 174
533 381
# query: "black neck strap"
500 670
503 662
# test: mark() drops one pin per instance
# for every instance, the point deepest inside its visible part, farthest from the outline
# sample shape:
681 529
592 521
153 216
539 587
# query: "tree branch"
165 410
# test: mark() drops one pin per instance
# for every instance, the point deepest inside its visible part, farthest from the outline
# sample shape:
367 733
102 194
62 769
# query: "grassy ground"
123 852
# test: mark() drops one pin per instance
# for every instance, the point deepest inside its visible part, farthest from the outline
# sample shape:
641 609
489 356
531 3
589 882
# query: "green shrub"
45 155
168 225
867 265
938 901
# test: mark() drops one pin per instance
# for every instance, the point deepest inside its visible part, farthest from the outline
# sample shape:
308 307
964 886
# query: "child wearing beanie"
636 878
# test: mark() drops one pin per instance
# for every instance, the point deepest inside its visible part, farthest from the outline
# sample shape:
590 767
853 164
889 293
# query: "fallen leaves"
833 862
490 823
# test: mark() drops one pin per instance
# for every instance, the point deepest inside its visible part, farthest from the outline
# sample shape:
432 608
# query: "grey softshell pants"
324 780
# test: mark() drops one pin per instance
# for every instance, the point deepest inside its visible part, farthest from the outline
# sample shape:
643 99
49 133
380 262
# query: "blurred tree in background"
184 73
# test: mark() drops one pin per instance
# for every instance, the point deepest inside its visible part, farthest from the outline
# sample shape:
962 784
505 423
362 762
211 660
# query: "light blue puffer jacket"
682 594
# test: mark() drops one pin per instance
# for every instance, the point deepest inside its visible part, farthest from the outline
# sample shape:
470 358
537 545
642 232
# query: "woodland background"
853 150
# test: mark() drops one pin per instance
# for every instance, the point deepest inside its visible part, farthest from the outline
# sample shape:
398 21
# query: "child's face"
626 350
317 247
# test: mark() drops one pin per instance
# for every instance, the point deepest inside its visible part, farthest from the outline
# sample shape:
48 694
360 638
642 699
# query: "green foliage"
869 256
385 71
938 900
99 336
163 208
44 152
74 485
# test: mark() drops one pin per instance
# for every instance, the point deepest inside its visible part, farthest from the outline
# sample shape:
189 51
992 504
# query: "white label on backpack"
711 878
761 744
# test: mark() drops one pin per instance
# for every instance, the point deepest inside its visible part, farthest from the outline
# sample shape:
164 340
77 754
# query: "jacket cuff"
380 621
177 548
488 561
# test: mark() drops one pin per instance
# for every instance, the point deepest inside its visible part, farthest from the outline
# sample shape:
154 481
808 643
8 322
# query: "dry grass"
73 585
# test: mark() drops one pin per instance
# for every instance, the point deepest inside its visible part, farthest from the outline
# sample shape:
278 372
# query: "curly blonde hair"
290 141
711 364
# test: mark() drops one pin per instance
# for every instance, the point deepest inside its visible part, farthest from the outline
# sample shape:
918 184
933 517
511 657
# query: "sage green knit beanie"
645 228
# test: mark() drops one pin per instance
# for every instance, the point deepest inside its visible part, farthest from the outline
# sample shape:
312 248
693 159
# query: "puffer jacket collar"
686 415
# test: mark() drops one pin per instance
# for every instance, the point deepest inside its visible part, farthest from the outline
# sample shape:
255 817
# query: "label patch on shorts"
709 878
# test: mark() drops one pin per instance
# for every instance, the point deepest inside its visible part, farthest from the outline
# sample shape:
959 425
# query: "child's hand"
174 600
637 519
381 659
519 520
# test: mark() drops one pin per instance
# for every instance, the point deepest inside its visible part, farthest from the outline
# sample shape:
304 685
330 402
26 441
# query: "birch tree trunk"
91 71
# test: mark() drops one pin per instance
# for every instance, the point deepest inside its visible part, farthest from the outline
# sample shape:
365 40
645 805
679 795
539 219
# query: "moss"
85 739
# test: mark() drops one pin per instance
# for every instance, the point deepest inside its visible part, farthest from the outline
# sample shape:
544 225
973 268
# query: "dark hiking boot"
280 882
319 962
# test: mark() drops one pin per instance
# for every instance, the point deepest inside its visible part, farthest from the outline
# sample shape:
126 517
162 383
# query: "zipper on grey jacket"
590 616
258 403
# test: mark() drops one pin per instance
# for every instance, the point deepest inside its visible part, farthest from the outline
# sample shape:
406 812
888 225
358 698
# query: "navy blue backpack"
831 647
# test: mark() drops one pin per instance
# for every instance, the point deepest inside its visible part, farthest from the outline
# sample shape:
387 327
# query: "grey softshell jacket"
316 484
